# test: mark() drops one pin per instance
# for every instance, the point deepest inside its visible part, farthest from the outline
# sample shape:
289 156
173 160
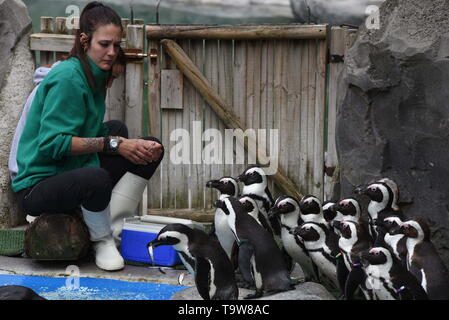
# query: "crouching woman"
67 158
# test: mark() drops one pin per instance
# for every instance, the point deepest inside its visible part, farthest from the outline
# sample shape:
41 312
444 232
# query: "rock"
393 110
60 236
304 291
16 74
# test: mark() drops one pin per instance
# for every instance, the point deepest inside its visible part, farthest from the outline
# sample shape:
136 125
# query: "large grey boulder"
393 111
16 73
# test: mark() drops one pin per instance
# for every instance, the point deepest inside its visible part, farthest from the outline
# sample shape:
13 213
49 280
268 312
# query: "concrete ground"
87 268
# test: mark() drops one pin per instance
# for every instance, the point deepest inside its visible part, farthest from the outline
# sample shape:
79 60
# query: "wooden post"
341 40
134 83
61 28
47 26
223 110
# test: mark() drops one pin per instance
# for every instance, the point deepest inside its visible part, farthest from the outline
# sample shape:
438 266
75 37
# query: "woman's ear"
84 40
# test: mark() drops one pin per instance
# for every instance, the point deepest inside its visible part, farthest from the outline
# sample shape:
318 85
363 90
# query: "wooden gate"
194 78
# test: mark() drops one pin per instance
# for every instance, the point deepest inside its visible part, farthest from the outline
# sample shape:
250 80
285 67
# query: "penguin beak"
241 178
399 229
274 211
212 184
155 243
336 224
295 231
360 190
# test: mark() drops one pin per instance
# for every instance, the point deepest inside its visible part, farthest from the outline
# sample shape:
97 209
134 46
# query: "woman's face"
104 46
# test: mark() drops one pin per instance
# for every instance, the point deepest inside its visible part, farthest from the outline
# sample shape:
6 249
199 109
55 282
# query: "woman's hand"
140 151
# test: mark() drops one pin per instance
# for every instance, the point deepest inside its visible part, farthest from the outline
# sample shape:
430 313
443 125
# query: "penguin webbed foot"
254 295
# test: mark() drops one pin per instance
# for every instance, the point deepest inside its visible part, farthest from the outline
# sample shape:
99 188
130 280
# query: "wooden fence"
272 77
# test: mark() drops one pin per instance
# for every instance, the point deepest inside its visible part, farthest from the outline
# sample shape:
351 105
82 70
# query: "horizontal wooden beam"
51 42
55 42
224 112
237 32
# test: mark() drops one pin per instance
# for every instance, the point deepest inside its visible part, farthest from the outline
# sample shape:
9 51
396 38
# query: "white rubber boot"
125 199
107 256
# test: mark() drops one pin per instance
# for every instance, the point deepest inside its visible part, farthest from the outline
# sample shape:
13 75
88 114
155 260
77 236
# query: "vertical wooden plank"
154 119
294 109
210 118
311 113
185 125
225 89
240 80
257 53
320 105
337 47
197 110
270 107
286 126
47 26
60 28
134 83
303 165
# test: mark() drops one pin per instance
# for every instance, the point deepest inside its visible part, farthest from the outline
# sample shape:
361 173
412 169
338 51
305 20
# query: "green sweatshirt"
64 107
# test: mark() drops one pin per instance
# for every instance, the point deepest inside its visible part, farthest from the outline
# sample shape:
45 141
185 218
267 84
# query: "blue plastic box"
138 231
135 236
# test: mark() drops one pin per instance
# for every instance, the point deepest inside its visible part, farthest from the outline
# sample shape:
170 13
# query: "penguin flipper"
202 271
355 278
245 252
342 273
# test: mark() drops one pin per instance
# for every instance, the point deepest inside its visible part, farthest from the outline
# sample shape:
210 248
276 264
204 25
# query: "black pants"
90 187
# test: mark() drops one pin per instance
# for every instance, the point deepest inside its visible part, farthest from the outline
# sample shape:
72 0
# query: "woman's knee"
117 128
158 141
99 189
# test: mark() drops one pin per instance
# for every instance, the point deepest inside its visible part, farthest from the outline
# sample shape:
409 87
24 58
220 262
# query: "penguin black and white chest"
384 197
214 273
226 186
255 185
288 209
322 248
423 260
269 269
388 278
353 240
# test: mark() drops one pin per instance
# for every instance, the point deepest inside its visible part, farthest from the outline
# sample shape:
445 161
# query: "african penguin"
388 278
214 274
226 186
384 197
288 209
353 240
321 246
255 186
396 242
423 260
269 269
245 253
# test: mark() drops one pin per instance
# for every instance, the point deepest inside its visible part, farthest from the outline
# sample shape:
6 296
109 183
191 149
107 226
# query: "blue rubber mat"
92 288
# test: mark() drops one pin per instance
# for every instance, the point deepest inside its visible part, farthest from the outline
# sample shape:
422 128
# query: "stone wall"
16 73
393 111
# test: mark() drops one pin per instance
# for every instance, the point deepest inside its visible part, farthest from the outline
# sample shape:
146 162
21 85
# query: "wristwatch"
111 144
